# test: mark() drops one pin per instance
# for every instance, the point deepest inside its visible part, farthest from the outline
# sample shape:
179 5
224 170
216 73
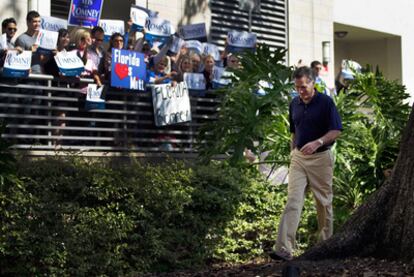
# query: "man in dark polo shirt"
314 124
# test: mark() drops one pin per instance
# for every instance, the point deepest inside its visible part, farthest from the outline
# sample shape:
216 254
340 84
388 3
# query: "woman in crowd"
196 62
62 44
183 66
82 40
116 41
208 70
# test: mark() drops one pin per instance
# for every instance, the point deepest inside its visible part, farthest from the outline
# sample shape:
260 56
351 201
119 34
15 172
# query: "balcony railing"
45 116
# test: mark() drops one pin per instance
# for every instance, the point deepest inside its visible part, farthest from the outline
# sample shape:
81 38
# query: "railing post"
49 113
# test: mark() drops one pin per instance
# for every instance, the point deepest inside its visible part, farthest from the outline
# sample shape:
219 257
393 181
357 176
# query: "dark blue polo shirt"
313 120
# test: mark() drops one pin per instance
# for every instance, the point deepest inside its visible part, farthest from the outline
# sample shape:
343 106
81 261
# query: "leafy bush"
77 217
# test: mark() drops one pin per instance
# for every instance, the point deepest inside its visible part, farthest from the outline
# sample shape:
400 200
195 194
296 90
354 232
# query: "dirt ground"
364 267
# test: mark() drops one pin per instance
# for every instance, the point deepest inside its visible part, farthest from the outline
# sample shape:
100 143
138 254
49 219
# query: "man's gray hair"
304 71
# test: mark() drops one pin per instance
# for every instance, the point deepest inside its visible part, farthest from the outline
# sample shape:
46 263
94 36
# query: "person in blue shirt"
158 75
315 125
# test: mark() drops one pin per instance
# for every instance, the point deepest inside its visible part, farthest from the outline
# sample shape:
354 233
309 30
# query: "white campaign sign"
93 93
171 104
176 44
112 26
69 63
47 39
211 49
241 39
53 23
159 27
195 81
3 41
193 31
195 45
17 65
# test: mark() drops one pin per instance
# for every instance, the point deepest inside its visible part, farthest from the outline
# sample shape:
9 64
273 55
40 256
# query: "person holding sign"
158 75
9 27
63 42
183 66
117 42
27 41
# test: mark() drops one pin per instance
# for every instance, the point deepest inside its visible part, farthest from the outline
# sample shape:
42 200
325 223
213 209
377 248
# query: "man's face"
317 69
305 87
98 39
34 24
10 30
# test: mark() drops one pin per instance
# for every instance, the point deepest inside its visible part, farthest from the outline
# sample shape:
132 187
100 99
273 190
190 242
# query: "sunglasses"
12 29
99 39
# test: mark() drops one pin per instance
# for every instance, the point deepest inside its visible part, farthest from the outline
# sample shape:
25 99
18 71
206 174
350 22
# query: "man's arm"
328 138
292 142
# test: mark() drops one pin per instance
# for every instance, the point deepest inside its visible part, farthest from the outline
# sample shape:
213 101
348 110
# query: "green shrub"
78 217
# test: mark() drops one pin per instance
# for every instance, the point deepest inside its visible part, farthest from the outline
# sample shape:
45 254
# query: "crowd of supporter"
162 65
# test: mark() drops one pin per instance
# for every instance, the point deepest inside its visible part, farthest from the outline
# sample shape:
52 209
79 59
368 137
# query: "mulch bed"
364 267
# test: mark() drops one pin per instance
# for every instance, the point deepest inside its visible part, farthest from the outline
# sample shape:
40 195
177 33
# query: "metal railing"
45 116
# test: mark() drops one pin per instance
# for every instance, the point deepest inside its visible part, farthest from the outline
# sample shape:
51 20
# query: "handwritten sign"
17 65
194 45
171 104
53 23
69 63
128 69
85 13
47 41
211 49
158 31
111 26
94 100
194 32
240 41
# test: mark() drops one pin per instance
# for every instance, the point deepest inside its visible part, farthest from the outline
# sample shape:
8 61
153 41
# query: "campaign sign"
139 16
176 45
85 13
94 100
3 41
211 49
53 23
17 65
220 77
158 31
128 69
194 32
69 63
194 45
240 41
47 41
111 26
171 104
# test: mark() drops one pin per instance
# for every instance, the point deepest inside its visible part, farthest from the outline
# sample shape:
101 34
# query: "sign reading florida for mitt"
128 69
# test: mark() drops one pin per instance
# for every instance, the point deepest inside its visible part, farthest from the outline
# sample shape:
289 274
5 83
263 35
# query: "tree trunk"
384 225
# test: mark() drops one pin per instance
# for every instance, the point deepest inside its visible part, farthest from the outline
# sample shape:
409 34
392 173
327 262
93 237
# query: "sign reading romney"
111 26
69 63
53 23
139 16
240 41
17 65
85 13
194 32
47 41
128 69
158 31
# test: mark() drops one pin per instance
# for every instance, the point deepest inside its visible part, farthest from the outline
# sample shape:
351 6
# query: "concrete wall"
394 17
310 22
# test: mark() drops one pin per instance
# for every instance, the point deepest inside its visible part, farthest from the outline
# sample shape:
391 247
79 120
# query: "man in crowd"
27 40
9 27
314 124
320 84
96 49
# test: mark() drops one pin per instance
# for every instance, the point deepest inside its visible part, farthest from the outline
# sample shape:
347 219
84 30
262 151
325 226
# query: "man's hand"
310 147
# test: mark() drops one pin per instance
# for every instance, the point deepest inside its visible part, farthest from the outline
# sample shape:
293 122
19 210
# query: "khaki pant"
315 170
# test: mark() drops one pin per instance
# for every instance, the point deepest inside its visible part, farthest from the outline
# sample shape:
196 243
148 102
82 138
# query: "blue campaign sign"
128 69
85 13
241 41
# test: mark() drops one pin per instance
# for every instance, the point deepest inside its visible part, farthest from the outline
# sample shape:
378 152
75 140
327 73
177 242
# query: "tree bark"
384 225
